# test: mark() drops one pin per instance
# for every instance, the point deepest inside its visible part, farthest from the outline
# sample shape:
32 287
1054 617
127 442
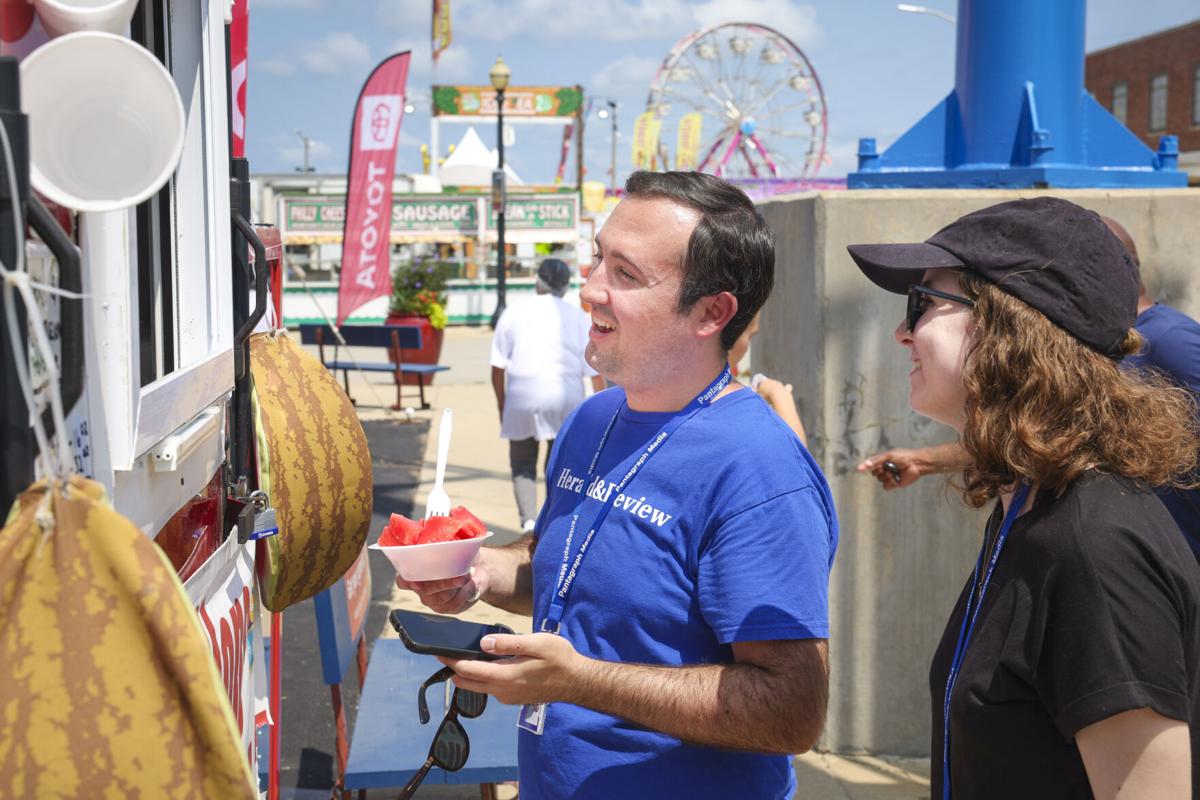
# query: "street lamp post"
933 12
307 144
499 76
611 113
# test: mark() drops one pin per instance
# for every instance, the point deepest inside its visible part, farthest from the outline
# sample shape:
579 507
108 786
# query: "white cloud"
843 155
307 5
276 66
289 149
561 20
616 20
407 14
336 54
799 22
455 64
627 75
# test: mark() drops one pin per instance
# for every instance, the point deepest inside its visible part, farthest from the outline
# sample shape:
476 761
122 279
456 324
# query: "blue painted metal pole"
1019 115
1002 46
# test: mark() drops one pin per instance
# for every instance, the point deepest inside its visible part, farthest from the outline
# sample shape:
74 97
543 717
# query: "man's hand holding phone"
534 668
490 658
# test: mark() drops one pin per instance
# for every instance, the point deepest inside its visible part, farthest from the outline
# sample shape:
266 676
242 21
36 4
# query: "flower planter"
431 344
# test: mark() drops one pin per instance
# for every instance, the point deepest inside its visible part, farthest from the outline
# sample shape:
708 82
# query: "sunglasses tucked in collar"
919 302
450 747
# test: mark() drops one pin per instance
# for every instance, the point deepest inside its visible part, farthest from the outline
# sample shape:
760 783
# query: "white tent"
472 164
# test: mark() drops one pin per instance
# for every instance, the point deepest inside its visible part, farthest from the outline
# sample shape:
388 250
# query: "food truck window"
183 287
156 318
183 233
155 264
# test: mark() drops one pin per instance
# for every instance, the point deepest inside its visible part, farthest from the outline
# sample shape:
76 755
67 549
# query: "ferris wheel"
744 102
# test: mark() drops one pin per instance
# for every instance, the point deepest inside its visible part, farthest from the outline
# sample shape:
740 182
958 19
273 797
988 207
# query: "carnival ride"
761 110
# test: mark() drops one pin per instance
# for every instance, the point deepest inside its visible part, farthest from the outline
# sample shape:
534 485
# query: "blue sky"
880 69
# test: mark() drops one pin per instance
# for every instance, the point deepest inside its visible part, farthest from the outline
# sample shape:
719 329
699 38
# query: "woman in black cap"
1070 665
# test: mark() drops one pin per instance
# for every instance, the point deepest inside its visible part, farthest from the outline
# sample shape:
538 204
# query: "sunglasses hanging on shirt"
450 747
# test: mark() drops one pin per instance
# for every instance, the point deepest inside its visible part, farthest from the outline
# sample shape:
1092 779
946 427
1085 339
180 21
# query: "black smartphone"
435 635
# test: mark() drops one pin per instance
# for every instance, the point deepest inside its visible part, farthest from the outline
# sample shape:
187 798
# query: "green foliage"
569 100
420 288
437 315
445 99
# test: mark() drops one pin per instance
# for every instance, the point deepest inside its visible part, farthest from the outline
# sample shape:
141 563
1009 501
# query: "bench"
393 338
389 744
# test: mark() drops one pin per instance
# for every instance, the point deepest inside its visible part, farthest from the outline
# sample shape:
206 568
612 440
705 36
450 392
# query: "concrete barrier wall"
905 555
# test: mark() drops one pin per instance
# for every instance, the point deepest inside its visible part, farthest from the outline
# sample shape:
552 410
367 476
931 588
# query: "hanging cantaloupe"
107 684
315 467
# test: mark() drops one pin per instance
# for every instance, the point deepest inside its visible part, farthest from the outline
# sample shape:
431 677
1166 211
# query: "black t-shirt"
1093 609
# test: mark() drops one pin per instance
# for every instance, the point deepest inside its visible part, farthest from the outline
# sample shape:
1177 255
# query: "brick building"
1152 84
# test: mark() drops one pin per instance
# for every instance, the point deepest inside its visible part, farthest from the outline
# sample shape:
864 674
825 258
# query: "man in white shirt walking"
537 373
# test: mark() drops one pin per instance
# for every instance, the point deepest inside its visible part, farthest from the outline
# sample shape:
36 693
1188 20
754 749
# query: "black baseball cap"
555 274
1048 252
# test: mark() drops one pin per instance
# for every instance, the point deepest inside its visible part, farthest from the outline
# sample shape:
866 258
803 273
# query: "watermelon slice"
471 523
461 524
441 529
400 531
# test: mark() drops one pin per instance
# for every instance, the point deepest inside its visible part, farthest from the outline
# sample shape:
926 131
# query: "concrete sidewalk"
478 477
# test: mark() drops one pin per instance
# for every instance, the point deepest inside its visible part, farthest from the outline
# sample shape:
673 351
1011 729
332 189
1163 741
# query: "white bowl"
434 561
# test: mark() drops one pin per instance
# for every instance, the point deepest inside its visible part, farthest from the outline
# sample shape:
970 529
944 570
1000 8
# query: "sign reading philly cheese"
432 214
326 214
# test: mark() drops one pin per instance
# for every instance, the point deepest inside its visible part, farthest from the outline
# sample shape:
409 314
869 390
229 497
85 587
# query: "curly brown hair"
1044 407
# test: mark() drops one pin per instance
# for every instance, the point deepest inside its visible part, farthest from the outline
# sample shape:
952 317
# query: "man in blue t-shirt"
1172 346
678 573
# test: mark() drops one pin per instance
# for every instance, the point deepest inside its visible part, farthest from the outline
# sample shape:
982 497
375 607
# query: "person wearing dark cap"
1069 665
538 370
1172 345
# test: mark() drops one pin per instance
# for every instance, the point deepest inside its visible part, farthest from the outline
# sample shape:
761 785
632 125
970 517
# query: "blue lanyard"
964 633
570 568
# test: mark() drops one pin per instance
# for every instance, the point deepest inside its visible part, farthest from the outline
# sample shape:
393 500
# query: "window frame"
1121 89
1158 114
1196 94
200 242
153 231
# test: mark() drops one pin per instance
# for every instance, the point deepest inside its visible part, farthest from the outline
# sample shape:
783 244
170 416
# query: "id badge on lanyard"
533 717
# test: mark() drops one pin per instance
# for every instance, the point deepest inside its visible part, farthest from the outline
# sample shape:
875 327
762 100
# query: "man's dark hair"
731 249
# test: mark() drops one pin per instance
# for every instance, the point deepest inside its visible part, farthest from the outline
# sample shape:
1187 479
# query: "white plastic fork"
438 502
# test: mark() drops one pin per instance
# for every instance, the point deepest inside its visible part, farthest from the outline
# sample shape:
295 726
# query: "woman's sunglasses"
919 302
